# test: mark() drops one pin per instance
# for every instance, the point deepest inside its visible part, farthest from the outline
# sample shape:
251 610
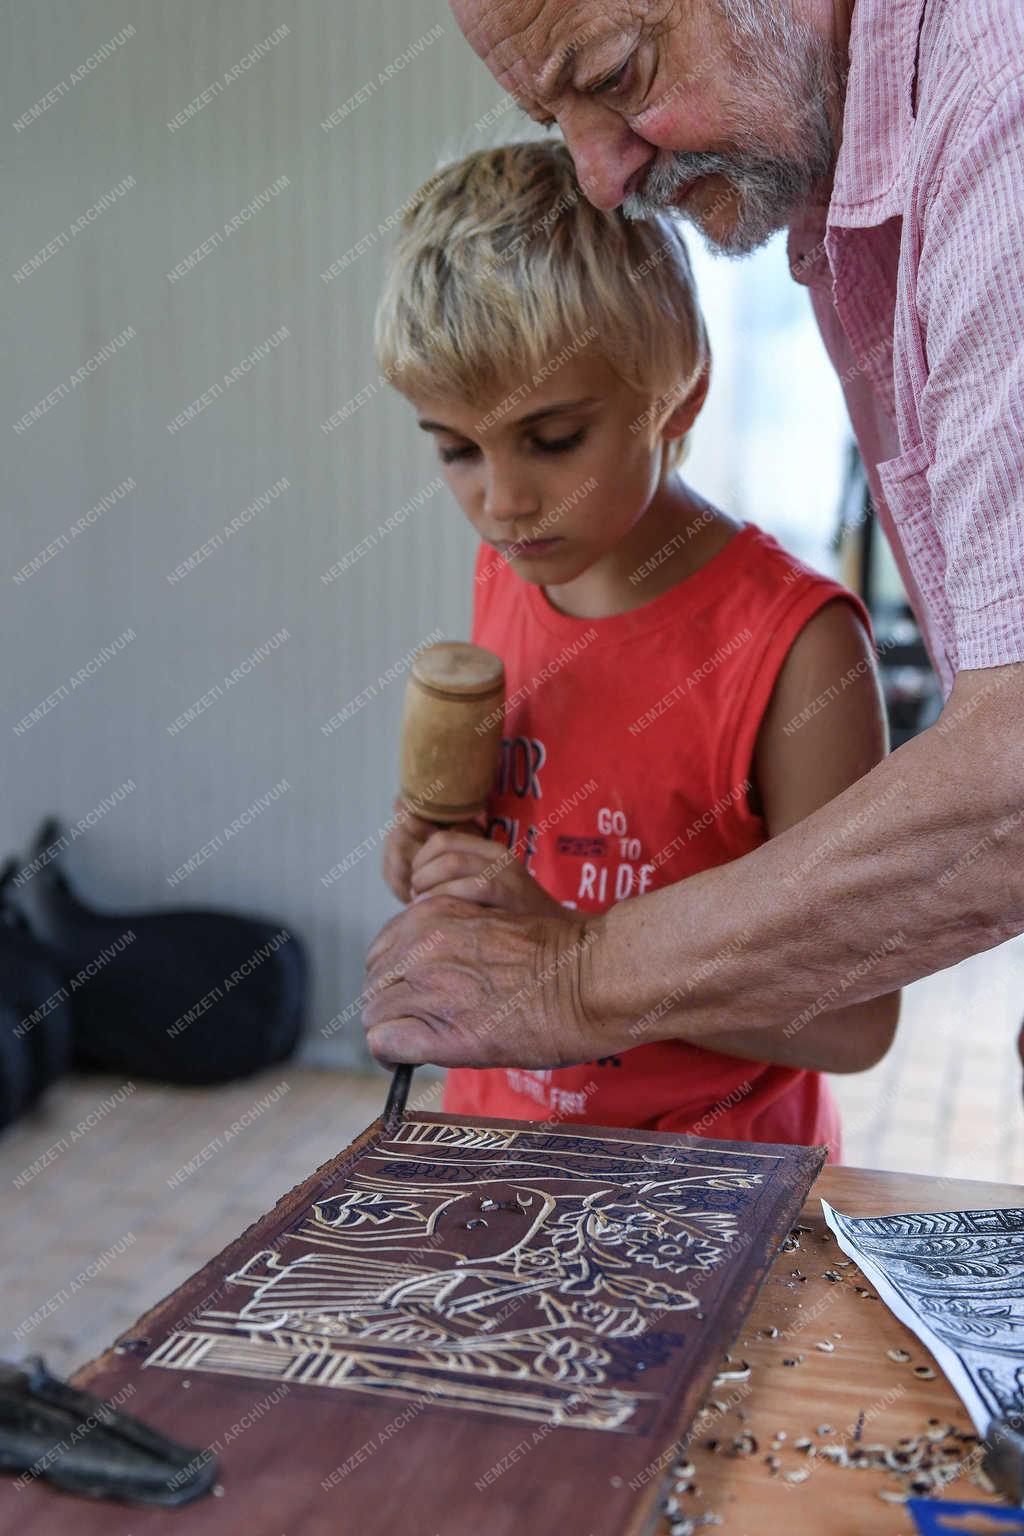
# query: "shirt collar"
879 111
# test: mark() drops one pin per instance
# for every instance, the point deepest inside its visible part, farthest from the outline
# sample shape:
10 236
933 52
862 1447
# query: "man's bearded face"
724 111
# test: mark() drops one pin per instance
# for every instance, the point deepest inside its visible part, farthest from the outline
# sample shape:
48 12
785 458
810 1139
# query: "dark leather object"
185 996
74 1441
35 1013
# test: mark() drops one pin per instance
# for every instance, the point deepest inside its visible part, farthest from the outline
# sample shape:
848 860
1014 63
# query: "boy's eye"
449 455
560 444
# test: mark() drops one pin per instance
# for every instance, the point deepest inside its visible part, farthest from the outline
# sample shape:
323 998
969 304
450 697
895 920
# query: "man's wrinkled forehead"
524 43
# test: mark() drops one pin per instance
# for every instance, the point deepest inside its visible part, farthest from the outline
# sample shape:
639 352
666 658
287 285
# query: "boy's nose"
607 153
509 498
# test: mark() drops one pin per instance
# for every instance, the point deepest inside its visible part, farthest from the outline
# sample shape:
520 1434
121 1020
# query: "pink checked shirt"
916 274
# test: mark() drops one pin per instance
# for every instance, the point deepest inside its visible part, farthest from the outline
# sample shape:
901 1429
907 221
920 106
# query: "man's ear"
683 416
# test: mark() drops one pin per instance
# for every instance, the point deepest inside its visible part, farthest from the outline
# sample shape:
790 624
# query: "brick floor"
947 1100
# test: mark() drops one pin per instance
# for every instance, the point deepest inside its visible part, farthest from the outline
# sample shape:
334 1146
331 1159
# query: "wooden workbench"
821 1388
777 1404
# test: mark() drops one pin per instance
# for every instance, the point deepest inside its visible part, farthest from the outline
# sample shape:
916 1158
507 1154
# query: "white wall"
100 129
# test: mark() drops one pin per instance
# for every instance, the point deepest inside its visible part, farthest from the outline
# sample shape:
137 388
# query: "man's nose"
607 154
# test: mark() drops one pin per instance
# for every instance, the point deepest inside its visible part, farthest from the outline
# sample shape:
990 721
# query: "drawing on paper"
956 1278
521 1271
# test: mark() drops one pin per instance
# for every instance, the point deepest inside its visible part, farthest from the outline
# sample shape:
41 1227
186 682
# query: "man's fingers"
385 941
402 1040
403 931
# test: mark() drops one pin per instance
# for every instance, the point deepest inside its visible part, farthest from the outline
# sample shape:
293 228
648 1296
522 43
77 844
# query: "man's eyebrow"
551 79
537 115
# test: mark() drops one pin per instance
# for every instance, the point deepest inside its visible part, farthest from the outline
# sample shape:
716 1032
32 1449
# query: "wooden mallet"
451 748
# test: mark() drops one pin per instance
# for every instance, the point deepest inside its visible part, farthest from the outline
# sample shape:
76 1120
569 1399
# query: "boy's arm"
801 763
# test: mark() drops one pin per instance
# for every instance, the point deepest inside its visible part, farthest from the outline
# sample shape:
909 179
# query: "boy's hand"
450 863
407 835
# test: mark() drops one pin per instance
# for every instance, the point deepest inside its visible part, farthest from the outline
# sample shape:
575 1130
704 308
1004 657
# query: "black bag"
35 1012
188 996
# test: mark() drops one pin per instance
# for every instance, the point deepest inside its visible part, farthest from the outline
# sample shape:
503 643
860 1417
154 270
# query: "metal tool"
398 1094
1004 1459
79 1444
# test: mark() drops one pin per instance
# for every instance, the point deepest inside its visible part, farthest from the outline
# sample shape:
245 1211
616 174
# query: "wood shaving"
738 1372
743 1445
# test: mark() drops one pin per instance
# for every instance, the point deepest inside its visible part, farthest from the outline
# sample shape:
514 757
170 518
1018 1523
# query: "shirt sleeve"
971 299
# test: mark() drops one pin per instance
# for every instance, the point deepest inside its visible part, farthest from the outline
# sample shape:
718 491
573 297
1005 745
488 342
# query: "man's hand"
452 863
463 985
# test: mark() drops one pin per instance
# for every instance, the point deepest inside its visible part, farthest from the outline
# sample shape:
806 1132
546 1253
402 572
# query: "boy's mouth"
510 548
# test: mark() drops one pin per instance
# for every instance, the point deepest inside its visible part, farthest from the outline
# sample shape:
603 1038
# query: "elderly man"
888 137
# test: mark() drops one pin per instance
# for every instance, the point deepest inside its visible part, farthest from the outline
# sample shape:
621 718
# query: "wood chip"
744 1445
738 1372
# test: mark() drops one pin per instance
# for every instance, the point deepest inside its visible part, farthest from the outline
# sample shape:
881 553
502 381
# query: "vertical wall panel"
113 577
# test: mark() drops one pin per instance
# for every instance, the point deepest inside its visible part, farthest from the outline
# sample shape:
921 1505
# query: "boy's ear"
683 416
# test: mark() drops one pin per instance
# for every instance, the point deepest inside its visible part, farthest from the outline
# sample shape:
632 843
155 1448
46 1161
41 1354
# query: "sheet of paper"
956 1280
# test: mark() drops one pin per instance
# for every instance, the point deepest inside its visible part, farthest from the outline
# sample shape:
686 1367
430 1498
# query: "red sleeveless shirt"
627 755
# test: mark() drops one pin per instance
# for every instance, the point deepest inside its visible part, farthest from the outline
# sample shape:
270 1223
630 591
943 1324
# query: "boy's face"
554 474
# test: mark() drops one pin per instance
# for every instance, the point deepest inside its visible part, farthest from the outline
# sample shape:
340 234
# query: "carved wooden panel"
461 1325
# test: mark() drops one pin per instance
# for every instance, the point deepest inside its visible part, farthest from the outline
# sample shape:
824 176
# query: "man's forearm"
916 866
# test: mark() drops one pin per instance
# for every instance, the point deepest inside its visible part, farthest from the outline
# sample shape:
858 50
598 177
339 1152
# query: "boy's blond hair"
501 264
